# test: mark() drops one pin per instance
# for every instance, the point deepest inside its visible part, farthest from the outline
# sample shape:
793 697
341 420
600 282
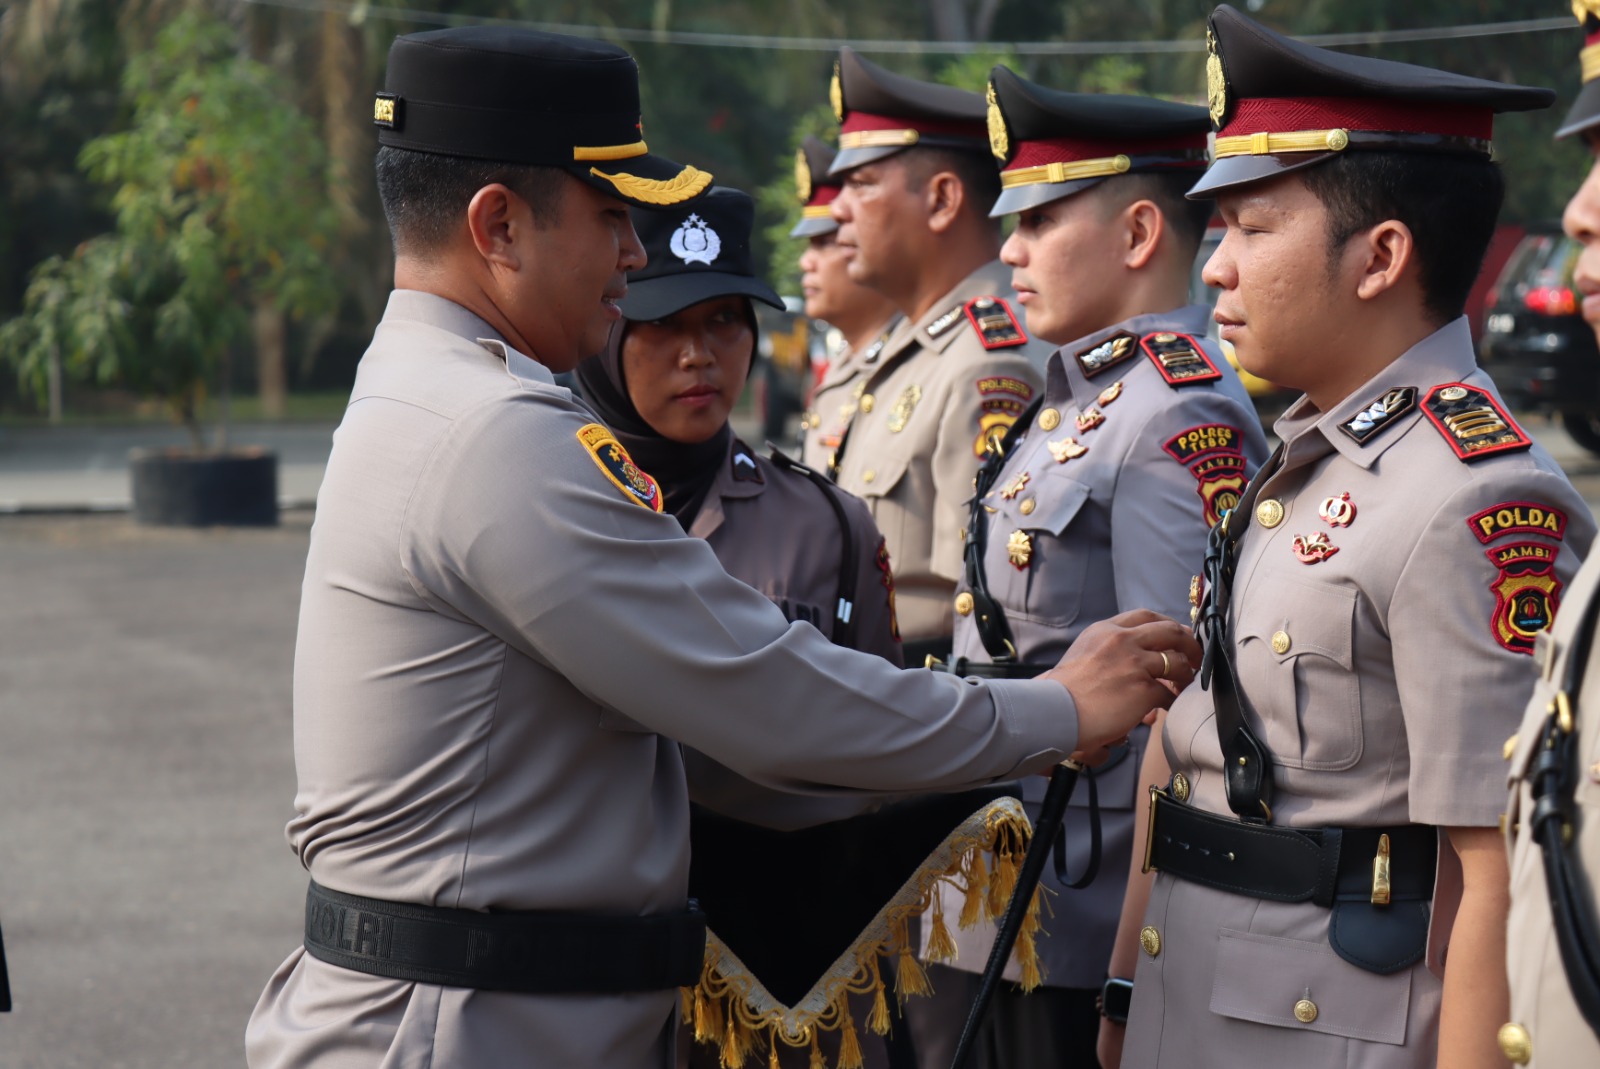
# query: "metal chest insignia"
1109 394
997 327
1066 449
900 415
618 467
1015 486
1114 350
1089 419
1019 549
1380 414
1179 358
1214 455
1338 511
1527 593
1313 549
1472 422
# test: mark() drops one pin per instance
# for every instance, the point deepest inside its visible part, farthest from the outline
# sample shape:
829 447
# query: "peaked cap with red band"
1585 111
1280 105
814 187
1052 144
881 113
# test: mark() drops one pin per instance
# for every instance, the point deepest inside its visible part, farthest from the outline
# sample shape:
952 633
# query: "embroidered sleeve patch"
1472 422
1526 592
1004 399
888 586
1179 358
618 467
997 327
1109 353
1518 517
1212 452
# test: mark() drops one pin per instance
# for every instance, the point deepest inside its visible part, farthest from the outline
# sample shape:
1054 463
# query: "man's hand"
1117 673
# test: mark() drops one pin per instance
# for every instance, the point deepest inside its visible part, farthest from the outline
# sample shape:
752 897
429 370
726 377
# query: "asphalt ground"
146 771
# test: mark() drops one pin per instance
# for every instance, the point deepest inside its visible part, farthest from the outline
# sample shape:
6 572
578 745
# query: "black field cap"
517 96
1585 111
1052 144
881 113
815 188
695 254
1280 105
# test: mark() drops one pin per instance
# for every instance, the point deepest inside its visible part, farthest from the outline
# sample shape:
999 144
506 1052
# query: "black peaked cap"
696 252
1585 110
879 111
815 187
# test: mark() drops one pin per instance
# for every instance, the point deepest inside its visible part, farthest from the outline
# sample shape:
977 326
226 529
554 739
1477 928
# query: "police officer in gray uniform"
502 639
1100 497
1553 819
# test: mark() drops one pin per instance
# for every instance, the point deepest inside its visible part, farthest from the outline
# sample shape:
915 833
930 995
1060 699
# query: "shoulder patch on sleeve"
1181 359
1003 399
1472 422
1518 517
1109 353
995 323
888 585
618 467
1527 593
1214 455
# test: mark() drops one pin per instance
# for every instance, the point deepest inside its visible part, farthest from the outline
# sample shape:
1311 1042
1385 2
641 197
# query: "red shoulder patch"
995 323
1518 517
1472 421
888 586
1214 455
1527 593
1181 359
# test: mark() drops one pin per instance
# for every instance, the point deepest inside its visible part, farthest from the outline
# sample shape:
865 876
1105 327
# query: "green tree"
220 212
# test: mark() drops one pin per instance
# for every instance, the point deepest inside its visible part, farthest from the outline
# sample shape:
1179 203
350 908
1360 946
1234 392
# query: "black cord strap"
993 630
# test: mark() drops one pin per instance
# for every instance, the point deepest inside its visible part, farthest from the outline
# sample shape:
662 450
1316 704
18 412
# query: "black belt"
531 952
1377 882
1004 670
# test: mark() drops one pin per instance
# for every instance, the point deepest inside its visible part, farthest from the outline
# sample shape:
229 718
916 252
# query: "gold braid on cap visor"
1590 59
1052 173
690 182
1264 143
610 152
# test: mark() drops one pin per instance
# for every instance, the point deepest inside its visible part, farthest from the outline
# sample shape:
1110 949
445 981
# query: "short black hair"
1449 203
977 172
425 195
1186 219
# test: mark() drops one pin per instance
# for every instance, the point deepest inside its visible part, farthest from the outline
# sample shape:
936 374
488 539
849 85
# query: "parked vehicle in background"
1535 345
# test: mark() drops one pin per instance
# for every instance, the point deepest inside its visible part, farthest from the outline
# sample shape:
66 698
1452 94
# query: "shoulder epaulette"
1109 353
1181 359
946 321
997 327
1380 415
1472 422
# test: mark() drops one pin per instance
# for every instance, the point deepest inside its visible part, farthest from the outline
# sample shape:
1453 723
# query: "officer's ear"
1383 254
1144 225
944 195
494 216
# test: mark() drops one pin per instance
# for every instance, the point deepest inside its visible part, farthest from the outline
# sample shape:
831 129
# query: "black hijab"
684 471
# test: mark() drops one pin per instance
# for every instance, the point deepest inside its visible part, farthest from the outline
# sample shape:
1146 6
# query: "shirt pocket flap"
1276 981
880 479
1304 618
1056 500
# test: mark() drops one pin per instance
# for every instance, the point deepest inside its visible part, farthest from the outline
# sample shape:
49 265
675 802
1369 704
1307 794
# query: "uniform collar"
1444 356
1064 378
740 475
436 311
941 325
850 360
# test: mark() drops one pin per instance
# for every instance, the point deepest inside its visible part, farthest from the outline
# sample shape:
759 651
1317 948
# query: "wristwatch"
1116 994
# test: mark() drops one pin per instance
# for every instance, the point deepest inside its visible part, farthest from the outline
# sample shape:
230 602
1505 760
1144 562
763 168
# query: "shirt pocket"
885 485
1265 979
1296 668
1049 590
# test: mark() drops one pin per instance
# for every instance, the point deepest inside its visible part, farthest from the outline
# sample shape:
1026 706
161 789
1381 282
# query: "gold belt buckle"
1150 825
1380 873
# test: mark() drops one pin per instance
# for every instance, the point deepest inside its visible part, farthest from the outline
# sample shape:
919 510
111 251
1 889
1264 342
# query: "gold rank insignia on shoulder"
945 322
1180 359
1019 549
997 327
1472 422
1380 414
1114 350
618 467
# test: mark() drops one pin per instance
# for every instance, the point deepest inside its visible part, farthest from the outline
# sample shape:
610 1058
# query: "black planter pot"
174 488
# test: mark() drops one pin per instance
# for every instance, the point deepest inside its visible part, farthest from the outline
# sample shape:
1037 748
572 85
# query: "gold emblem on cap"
802 175
1338 139
1270 512
383 111
1049 419
836 94
1150 940
1516 1044
1180 787
999 139
1305 1011
964 604
1216 82
1019 548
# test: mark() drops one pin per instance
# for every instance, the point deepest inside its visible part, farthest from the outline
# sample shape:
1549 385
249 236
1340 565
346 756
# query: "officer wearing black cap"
914 218
1102 495
1329 881
863 317
504 644
1553 820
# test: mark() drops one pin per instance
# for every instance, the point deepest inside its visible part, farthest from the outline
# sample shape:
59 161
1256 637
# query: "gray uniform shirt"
1382 657
1121 525
935 392
498 649
833 403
